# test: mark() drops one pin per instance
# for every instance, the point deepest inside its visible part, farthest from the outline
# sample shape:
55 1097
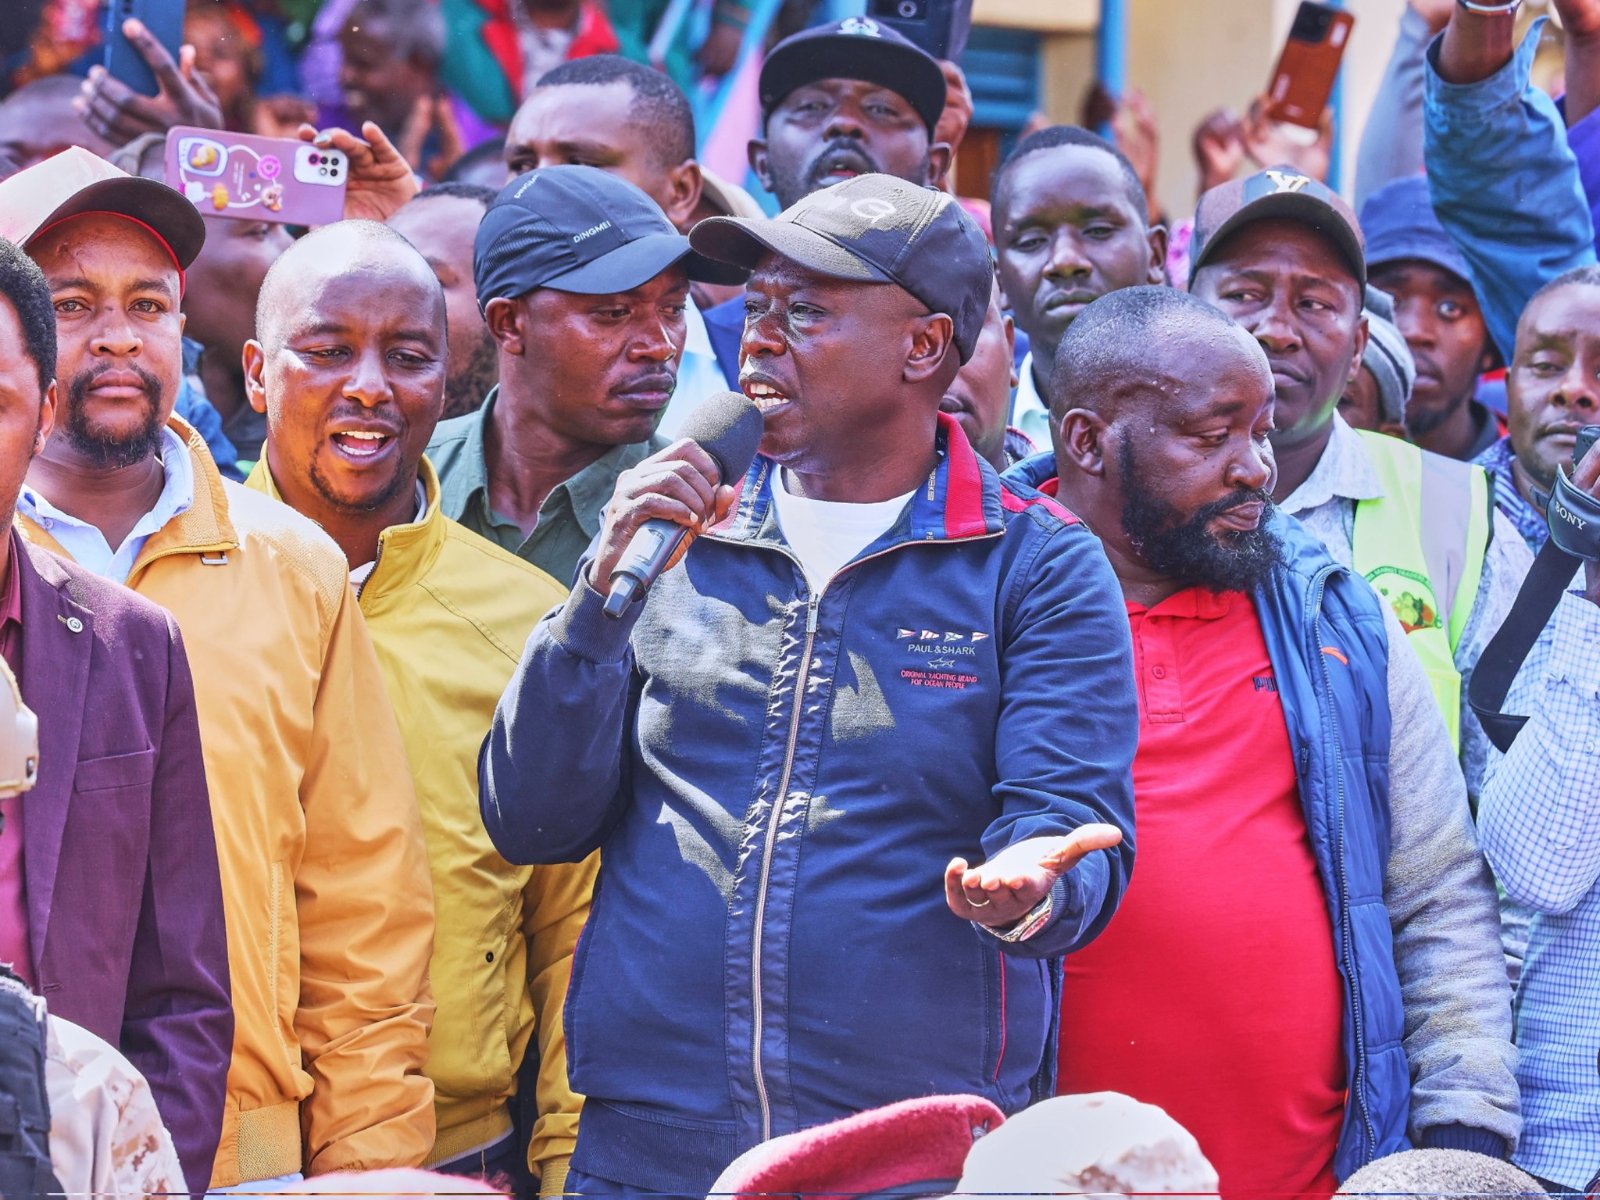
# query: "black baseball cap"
578 229
873 229
855 48
1276 192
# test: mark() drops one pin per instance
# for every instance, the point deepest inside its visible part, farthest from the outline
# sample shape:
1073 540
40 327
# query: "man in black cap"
844 100
582 282
1284 257
831 704
841 100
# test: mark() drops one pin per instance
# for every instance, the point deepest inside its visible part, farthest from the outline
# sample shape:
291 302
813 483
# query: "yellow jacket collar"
204 528
406 553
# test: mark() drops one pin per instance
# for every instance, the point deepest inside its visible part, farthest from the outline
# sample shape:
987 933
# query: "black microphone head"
728 427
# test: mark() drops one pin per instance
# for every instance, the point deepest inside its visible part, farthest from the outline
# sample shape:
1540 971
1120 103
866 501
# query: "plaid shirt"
1539 823
1524 517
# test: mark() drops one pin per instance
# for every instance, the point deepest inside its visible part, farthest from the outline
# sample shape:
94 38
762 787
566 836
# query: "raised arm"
1391 140
1503 179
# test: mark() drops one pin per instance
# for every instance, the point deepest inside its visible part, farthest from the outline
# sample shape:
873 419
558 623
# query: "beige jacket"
324 874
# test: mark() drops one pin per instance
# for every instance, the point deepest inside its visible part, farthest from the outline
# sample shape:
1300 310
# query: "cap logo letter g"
872 210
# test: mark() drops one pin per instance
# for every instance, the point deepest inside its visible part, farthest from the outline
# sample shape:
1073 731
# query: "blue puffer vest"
1325 634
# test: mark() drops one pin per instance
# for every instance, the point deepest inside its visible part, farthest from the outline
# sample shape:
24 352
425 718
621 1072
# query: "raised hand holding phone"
380 179
1308 66
239 175
118 112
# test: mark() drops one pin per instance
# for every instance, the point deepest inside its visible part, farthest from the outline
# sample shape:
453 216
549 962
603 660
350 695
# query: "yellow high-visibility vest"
1422 546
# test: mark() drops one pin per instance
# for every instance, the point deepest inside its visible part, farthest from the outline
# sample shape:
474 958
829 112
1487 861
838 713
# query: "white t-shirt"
826 534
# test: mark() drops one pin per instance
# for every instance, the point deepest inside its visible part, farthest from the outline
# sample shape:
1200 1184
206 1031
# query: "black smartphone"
938 26
122 61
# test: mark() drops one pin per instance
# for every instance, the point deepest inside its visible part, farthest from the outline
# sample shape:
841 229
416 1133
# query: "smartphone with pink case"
251 178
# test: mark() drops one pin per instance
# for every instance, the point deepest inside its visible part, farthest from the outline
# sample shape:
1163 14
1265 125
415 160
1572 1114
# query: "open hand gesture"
1002 891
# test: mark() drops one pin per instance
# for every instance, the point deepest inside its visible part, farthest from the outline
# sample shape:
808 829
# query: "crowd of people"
1080 539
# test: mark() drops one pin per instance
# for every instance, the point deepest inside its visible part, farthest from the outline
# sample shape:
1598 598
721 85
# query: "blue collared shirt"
88 547
1539 825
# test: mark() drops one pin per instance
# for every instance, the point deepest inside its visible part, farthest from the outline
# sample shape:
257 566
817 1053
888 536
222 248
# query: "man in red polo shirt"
1306 970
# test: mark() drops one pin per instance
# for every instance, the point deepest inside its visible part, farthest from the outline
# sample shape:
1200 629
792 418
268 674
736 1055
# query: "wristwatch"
1503 9
1035 919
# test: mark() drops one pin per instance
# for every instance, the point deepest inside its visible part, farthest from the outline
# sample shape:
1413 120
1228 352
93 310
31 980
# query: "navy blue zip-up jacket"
777 780
1325 638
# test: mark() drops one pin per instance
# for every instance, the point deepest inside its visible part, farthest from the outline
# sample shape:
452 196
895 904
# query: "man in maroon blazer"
110 901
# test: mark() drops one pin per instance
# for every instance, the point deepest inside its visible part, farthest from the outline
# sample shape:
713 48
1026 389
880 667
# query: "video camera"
1574 516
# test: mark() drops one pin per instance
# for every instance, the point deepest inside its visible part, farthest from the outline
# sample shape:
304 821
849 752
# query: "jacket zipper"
1315 613
757 1005
778 800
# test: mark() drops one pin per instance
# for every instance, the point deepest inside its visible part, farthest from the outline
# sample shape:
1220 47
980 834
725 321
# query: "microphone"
728 428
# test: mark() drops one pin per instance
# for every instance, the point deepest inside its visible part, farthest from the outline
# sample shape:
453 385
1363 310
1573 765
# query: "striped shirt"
1524 517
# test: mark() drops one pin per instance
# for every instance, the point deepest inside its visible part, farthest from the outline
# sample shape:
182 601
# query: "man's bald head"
348 364
1162 410
338 251
1142 340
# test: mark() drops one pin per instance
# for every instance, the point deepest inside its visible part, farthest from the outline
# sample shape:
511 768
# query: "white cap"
1101 1142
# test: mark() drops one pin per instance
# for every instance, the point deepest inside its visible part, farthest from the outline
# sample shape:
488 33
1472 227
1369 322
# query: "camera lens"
313 159
907 9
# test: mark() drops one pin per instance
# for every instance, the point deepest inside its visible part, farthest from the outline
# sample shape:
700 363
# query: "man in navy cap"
582 281
1410 256
841 100
790 750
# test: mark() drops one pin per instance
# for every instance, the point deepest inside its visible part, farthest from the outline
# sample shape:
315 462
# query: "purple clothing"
124 897
14 947
1584 141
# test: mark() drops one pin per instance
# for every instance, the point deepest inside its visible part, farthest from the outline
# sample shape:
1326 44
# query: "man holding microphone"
825 708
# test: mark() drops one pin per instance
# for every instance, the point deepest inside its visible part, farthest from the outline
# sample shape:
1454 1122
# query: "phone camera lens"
907 9
333 170
314 159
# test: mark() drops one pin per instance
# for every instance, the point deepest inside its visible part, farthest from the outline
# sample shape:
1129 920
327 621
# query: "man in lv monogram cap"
1284 256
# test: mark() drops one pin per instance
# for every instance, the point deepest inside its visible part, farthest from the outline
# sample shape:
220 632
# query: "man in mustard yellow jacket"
349 366
325 884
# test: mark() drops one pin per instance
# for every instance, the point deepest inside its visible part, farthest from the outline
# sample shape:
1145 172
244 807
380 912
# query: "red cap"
76 182
904 1147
